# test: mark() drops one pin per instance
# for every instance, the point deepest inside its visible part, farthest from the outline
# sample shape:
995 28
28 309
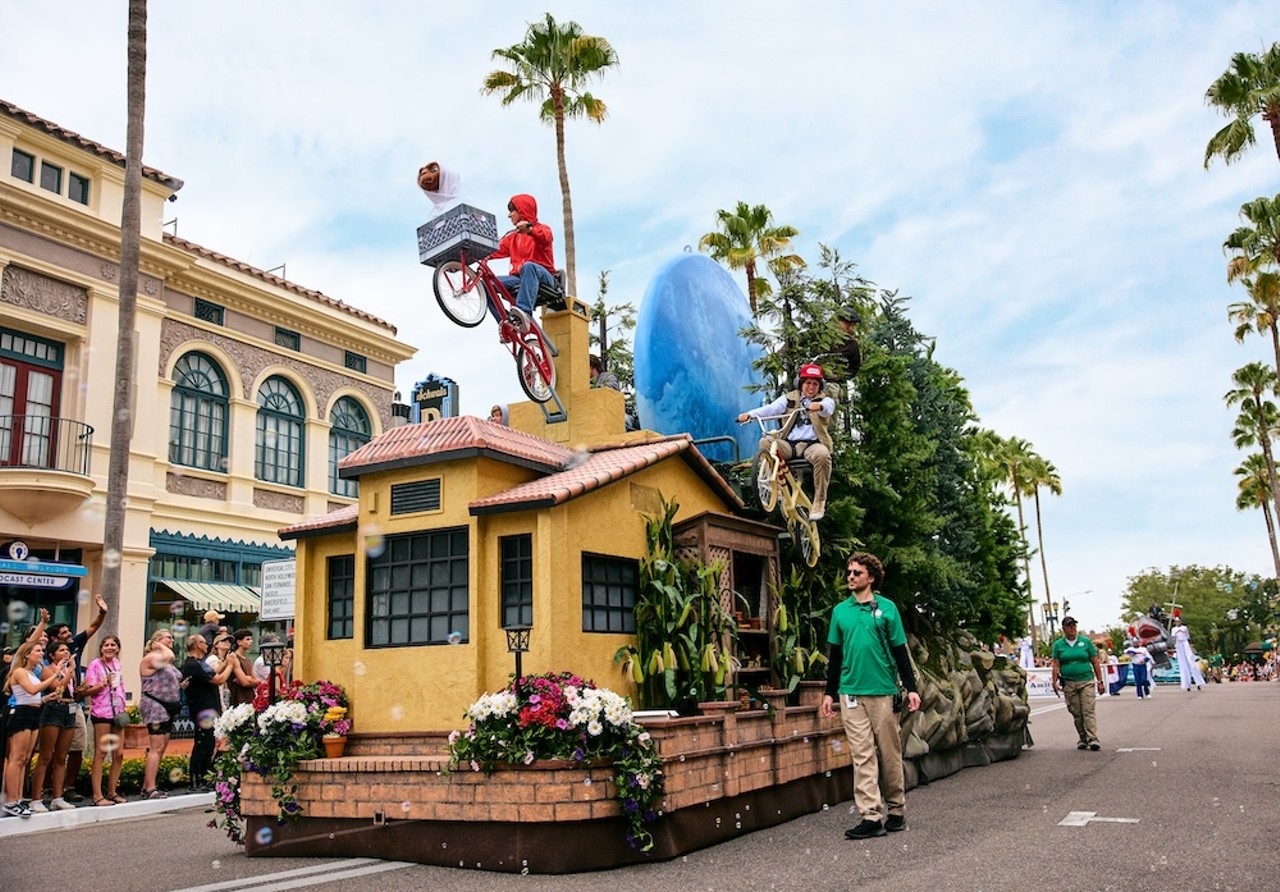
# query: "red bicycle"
467 289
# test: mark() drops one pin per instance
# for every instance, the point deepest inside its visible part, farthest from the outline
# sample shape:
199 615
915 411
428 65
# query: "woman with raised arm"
28 689
53 740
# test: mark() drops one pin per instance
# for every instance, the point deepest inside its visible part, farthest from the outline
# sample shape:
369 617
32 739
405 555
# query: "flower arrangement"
562 716
271 739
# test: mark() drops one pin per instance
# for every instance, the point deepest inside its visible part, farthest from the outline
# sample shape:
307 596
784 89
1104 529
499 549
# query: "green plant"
684 634
563 716
799 625
135 713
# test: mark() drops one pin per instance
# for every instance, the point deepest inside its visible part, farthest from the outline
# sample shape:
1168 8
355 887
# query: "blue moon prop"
692 365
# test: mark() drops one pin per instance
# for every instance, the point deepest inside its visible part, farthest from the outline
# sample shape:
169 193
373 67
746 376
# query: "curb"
87 815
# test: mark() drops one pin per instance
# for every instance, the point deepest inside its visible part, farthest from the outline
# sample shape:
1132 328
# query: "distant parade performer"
1139 665
1188 672
1026 659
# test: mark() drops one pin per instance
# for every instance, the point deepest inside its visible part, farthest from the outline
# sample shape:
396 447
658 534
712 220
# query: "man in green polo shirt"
1076 672
867 656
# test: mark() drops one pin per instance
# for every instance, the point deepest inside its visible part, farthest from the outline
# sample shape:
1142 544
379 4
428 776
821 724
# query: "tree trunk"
1044 567
1272 116
570 252
130 253
1026 560
1271 535
1264 439
1275 343
751 287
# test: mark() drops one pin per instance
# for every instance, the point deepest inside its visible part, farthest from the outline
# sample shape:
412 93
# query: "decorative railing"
41 441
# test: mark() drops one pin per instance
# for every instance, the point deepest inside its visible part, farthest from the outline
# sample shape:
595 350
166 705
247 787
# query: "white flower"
286 712
496 705
595 729
232 719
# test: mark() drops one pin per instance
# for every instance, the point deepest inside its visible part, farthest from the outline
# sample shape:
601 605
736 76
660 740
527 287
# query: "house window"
198 413
208 311
517 580
290 340
51 177
418 590
30 384
78 188
609 587
349 431
342 596
354 361
23 166
278 452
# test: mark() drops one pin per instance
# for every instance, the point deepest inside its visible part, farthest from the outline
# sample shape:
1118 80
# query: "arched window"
279 453
198 414
350 430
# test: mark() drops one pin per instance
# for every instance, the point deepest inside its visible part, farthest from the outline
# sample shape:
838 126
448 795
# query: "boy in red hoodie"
532 264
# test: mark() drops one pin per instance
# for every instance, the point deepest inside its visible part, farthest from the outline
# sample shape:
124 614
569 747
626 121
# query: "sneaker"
865 830
1082 746
16 810
36 807
819 510
71 795
895 823
61 804
520 319
1095 746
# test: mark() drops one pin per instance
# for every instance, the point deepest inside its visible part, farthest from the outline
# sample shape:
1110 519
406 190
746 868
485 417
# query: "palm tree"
1042 473
1255 492
1250 87
1013 459
130 253
1261 313
746 235
1259 418
551 67
1257 245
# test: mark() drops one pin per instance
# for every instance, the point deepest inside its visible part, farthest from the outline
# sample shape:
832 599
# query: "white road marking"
1043 709
1084 818
1138 749
292 879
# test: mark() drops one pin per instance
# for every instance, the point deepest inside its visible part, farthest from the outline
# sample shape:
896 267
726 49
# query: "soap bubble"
397 713
17 611
110 558
406 806
83 597
177 776
374 542
358 668
109 743
264 836
177 608
207 718
216 864
180 629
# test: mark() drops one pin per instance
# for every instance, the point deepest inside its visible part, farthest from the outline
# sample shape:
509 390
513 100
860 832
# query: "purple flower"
579 754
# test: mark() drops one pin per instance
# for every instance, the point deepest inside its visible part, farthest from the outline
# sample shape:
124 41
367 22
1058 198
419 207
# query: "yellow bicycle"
776 483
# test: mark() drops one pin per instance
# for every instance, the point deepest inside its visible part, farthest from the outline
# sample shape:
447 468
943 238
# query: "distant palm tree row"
1250 89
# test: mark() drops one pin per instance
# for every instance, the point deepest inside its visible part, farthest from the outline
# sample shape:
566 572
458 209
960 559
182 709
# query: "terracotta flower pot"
334 747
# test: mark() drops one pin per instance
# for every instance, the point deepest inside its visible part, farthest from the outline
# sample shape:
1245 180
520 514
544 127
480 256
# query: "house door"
28 395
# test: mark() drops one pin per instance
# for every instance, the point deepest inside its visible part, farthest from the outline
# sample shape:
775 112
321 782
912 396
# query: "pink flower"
528 757
453 737
475 766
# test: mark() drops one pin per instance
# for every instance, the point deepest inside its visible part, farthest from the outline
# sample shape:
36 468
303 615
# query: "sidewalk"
85 815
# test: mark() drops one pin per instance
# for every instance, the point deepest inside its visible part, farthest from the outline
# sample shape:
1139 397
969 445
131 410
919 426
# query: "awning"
221 596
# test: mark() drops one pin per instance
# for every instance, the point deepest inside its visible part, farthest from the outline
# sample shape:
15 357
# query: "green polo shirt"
1075 661
865 633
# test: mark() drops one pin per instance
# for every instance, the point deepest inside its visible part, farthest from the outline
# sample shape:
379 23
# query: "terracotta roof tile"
72 138
604 465
331 522
449 439
243 267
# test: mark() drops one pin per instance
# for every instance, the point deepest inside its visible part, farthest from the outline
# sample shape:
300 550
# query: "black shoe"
895 823
71 795
865 830
1082 746
1095 746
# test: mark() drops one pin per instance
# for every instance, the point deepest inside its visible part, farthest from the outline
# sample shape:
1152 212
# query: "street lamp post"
517 643
272 657
1051 615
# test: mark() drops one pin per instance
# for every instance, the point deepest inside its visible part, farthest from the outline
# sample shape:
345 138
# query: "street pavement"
1179 798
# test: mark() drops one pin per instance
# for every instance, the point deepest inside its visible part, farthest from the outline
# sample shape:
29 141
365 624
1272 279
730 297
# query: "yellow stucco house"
464 527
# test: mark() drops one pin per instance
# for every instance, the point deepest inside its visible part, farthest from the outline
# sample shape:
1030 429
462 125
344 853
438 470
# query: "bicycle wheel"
806 537
535 367
767 483
463 299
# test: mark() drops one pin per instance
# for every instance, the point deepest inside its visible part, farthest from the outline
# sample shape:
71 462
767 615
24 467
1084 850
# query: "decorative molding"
34 291
109 271
278 501
251 360
195 486
334 506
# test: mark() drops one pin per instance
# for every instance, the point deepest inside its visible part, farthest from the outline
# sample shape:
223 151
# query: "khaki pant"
818 457
1080 697
875 746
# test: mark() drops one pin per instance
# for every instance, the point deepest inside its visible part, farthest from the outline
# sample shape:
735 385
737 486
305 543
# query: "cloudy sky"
1029 172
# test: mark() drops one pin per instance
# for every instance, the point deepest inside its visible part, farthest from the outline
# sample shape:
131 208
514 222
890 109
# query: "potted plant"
135 733
334 726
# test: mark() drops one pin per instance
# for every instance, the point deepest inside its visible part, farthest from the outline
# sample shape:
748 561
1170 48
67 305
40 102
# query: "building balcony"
44 466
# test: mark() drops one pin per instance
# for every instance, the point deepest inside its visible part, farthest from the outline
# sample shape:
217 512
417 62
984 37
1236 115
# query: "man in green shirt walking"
1076 672
868 654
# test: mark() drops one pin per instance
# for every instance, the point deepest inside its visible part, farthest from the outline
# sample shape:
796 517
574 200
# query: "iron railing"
41 441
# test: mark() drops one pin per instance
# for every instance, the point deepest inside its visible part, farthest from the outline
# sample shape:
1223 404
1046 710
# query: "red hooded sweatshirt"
521 248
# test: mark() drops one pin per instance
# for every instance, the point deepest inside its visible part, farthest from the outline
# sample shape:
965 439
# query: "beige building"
248 389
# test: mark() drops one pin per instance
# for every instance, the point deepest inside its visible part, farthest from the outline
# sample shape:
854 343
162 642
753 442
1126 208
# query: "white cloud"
1031 173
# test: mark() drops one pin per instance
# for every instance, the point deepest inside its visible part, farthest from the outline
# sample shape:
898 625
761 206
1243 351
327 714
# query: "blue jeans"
525 286
1140 679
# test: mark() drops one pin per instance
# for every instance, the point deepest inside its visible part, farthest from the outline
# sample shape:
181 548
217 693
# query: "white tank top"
22 698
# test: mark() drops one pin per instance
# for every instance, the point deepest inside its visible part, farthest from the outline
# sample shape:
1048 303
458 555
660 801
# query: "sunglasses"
856 573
